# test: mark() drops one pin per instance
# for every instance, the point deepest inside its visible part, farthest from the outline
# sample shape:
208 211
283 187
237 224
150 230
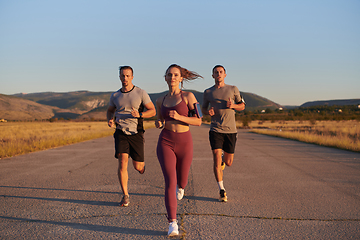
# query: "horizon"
288 52
284 105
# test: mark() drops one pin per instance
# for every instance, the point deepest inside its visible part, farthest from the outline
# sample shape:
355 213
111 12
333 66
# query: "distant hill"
85 104
79 101
14 108
332 103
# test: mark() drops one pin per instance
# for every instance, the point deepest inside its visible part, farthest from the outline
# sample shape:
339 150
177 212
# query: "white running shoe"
173 229
179 193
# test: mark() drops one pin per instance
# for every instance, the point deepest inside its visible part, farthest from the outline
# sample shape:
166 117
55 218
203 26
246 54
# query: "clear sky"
290 52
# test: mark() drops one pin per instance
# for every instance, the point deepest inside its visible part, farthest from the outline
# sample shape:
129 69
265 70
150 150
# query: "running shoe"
142 171
179 193
223 166
223 197
125 201
173 229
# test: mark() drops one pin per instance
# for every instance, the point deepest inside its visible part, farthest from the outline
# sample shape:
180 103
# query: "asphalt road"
277 189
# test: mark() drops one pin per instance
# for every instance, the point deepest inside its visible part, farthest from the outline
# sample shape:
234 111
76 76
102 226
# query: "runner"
127 104
176 111
223 100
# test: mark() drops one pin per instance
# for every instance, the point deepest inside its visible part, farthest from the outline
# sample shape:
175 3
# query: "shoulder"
209 89
115 93
137 89
160 99
140 92
231 88
188 95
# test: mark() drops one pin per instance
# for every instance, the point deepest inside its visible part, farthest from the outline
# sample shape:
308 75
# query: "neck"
127 88
219 84
174 91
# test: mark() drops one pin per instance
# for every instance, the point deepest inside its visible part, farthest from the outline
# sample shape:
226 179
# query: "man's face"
219 74
126 77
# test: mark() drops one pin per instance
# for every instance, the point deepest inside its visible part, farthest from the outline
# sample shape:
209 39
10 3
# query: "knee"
139 166
229 163
123 164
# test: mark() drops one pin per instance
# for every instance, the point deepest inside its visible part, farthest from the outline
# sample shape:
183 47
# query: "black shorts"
224 141
130 144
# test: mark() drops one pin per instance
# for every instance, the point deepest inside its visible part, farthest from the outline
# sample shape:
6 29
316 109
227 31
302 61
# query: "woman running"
176 111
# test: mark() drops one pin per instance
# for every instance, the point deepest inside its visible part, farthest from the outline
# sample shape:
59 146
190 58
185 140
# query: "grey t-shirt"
124 102
224 119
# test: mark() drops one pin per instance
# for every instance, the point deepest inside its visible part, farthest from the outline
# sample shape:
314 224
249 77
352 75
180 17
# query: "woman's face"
173 77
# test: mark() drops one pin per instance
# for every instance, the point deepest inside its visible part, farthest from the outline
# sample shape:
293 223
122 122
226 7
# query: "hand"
211 112
159 124
229 103
174 114
135 113
111 123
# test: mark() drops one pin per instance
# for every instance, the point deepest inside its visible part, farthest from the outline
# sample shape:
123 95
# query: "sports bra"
181 108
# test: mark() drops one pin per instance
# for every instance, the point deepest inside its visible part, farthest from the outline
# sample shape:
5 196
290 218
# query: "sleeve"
205 100
237 95
111 102
145 97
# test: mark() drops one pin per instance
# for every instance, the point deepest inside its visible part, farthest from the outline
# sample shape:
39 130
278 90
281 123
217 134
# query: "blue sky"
290 52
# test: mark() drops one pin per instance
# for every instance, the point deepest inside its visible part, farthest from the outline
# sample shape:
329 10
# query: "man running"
223 100
127 104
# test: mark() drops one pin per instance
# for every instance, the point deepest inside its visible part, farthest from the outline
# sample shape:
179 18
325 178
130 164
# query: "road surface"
277 189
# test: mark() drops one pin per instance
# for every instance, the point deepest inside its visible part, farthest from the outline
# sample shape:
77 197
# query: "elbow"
153 113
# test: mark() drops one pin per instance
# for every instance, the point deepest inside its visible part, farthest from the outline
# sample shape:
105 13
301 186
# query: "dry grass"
338 134
24 137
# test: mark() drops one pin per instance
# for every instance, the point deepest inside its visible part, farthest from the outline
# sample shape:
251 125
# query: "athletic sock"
221 185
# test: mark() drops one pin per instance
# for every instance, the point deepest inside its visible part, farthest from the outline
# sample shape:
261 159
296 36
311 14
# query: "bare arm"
237 107
150 111
205 108
109 115
159 123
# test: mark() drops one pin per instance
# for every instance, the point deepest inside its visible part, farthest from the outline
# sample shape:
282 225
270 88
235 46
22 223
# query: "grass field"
338 134
24 137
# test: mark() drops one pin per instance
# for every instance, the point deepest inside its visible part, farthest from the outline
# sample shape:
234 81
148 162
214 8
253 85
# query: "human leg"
139 166
217 159
121 153
229 148
136 148
184 153
123 172
228 158
167 160
217 142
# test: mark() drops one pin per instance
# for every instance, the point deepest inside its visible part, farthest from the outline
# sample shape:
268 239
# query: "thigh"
184 153
230 142
136 143
166 156
121 143
216 140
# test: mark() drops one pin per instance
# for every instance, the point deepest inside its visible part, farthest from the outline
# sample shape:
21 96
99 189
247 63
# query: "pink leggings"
175 153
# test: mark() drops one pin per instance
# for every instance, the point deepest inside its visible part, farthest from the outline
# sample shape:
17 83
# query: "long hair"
187 75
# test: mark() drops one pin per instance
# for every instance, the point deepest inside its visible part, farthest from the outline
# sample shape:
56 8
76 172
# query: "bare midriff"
176 126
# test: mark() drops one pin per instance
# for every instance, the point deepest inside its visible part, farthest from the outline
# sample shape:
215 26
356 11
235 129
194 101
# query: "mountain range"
85 104
93 105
